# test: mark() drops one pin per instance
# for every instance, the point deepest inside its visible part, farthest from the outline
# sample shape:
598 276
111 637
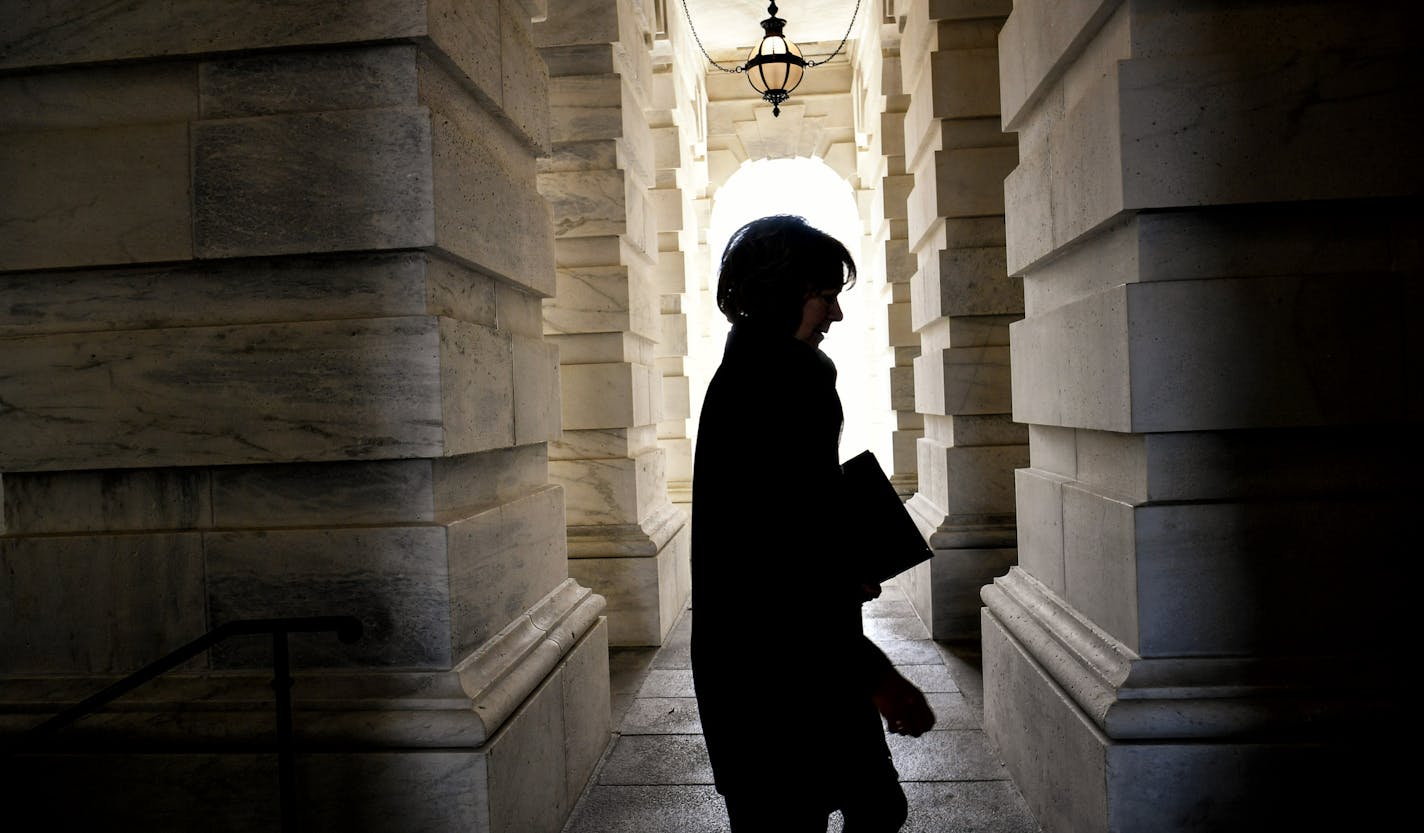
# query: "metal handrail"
348 629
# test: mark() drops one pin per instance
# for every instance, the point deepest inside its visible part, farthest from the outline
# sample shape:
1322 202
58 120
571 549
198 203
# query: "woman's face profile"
820 309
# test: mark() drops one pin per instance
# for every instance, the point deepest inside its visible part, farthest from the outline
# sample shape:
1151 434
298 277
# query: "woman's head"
776 268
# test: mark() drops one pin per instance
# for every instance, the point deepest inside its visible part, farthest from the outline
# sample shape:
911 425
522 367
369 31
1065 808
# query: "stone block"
969 182
536 391
577 59
259 393
252 291
534 774
477 400
900 262
982 429
1035 44
667 208
396 580
898 328
587 203
1255 578
608 395
612 490
313 494
963 380
672 339
1071 365
127 600
485 211
1054 449
587 725
300 82
520 312
902 388
894 191
956 576
467 483
967 281
969 481
1100 562
645 594
1268 135
600 154
671 270
502 560
1066 790
162 93
667 147
91 31
965 82
679 457
524 79
1070 182
586 108
1039 514
94 501
98 195
578 22
593 299
1221 354
319 182
677 398
603 442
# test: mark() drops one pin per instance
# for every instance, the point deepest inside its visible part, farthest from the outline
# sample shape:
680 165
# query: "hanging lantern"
775 66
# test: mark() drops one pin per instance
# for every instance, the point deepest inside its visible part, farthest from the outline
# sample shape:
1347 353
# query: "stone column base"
503 744
644 571
945 590
1098 739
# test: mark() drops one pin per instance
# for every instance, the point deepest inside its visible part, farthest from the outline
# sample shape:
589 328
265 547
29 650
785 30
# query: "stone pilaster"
891 218
626 539
676 117
1216 215
270 282
962 302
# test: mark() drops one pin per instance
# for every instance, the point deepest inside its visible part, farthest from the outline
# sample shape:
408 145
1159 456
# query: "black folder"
889 541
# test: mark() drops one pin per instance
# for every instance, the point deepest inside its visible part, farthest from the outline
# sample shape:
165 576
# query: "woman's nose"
834 311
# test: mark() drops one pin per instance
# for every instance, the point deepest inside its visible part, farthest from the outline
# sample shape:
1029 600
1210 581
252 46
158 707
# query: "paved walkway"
655 777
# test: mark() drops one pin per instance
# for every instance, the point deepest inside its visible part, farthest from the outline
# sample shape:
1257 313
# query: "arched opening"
807 187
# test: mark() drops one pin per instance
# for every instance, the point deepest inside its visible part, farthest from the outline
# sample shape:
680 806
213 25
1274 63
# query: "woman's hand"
903 706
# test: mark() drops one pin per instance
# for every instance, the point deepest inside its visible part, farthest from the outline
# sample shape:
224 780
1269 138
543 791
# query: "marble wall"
270 318
678 123
626 539
1215 215
961 303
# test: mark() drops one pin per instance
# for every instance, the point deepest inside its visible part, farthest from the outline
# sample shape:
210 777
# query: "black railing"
347 629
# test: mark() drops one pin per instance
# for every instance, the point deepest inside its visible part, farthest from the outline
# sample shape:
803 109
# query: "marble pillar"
676 121
891 218
626 538
1217 219
962 301
271 345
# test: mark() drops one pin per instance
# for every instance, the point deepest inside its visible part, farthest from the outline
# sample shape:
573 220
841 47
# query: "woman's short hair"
773 264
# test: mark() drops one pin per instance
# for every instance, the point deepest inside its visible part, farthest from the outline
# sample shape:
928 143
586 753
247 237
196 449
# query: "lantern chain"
810 64
688 15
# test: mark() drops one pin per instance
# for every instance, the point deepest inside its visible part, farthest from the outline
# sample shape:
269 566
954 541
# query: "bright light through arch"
811 189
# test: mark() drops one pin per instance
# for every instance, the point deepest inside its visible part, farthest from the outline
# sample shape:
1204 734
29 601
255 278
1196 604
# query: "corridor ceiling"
736 24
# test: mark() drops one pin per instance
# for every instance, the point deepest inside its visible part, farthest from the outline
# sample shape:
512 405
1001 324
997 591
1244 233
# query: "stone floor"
655 778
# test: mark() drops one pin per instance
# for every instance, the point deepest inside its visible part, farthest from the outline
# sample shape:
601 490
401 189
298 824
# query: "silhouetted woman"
789 689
